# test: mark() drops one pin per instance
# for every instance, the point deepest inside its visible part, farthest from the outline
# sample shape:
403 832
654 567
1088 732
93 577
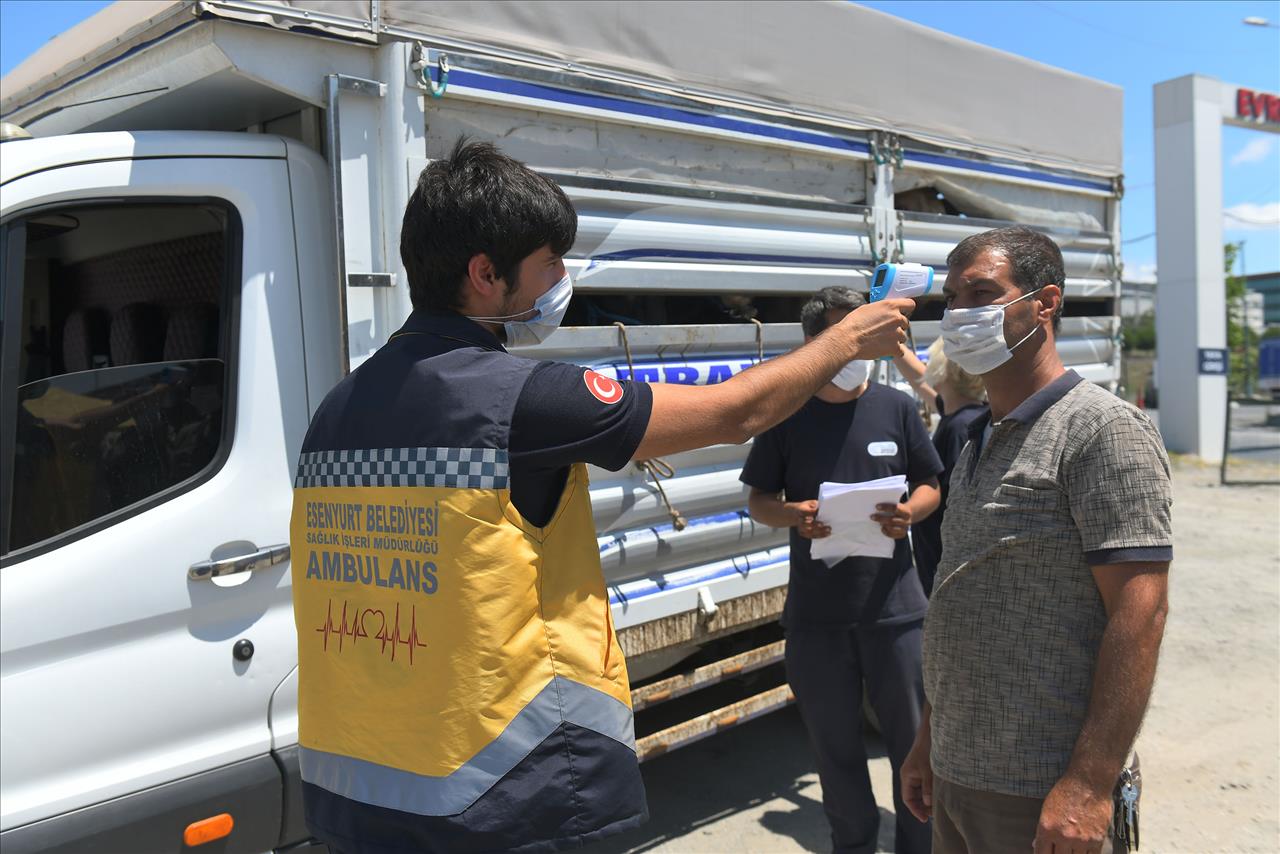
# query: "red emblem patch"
602 388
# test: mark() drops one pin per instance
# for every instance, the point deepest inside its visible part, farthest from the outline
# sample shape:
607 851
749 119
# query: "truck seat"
191 333
84 337
137 334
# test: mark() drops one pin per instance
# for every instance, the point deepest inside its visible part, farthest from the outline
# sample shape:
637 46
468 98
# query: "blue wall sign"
1213 361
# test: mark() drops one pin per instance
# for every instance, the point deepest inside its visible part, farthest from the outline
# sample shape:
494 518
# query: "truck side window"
120 394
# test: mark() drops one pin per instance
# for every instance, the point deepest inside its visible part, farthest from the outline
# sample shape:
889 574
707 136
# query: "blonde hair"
941 369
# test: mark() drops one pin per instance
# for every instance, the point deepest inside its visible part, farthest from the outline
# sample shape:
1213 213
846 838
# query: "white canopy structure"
832 63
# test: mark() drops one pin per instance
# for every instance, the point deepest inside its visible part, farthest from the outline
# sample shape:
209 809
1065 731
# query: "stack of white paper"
846 508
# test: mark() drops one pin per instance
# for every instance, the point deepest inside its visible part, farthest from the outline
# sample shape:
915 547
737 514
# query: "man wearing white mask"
1050 596
857 621
461 688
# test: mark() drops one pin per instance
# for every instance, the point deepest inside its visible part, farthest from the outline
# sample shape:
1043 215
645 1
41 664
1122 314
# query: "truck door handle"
267 556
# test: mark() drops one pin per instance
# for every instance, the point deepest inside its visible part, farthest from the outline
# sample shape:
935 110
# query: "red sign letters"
1257 106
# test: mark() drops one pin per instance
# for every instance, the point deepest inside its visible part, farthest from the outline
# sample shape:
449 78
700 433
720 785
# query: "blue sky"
27 24
1136 45
1131 44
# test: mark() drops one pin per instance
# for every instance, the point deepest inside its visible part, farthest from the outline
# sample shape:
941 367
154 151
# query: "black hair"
813 314
1036 260
476 201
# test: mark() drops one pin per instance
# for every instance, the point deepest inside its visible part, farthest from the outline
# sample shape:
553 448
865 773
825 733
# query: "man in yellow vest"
460 684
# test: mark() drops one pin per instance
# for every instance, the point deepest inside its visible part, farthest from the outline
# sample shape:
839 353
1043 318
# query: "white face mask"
549 308
853 374
973 338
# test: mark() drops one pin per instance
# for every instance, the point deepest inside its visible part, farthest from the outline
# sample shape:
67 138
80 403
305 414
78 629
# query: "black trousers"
826 670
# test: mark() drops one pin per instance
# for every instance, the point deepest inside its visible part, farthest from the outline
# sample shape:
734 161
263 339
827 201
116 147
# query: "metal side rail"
704 726
709 674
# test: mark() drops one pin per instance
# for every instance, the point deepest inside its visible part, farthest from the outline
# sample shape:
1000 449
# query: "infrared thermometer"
901 281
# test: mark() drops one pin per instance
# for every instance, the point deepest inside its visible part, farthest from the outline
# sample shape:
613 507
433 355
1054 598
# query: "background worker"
959 398
912 370
462 689
859 619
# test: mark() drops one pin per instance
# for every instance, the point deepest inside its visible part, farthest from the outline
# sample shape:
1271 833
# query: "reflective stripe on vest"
562 700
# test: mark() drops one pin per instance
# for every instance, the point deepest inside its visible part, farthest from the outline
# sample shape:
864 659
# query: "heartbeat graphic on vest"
389 636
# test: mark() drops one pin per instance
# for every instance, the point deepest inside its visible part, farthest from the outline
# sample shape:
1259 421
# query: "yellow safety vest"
450 652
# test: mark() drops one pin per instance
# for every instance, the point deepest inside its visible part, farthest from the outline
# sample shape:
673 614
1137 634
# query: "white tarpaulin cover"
852 65
1034 205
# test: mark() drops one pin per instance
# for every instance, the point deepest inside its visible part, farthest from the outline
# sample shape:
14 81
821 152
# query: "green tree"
1140 333
1240 343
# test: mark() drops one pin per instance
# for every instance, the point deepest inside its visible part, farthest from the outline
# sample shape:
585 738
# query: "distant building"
1252 315
1267 284
1261 308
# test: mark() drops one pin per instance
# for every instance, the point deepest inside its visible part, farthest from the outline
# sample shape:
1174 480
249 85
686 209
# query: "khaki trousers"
968 821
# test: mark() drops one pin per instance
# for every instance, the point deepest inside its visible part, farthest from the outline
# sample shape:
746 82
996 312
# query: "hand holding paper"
894 519
847 509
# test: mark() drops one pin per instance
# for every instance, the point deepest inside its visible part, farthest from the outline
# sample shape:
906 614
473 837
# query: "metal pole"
1244 316
1226 439
335 83
333 146
1226 421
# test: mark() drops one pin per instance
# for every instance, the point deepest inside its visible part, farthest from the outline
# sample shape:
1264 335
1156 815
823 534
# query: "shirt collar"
450 325
1034 406
977 425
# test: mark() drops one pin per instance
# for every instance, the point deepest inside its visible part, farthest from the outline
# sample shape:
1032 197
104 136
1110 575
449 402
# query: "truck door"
152 400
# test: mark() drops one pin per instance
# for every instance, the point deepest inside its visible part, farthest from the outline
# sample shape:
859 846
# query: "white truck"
201 238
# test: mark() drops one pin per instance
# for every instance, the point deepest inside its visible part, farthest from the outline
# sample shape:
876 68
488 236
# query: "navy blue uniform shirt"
878 435
558 422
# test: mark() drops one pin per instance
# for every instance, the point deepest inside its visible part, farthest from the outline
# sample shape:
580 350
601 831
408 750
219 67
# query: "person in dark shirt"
860 618
960 399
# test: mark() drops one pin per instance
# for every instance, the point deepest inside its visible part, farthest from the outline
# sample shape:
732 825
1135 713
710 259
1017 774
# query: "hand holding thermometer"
902 281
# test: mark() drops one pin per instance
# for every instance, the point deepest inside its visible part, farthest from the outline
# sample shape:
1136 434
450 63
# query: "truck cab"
158 363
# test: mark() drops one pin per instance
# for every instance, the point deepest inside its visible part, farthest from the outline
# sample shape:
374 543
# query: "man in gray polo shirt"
1050 599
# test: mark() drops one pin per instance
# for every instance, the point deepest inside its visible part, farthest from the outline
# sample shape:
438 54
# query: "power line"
1139 239
1274 185
1128 36
1250 220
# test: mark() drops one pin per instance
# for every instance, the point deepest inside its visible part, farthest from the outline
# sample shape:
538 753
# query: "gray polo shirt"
1073 478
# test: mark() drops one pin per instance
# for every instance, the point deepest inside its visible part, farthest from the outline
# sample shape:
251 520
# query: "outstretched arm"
688 417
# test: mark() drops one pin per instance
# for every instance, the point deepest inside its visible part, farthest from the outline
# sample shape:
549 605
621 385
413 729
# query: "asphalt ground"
1253 440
